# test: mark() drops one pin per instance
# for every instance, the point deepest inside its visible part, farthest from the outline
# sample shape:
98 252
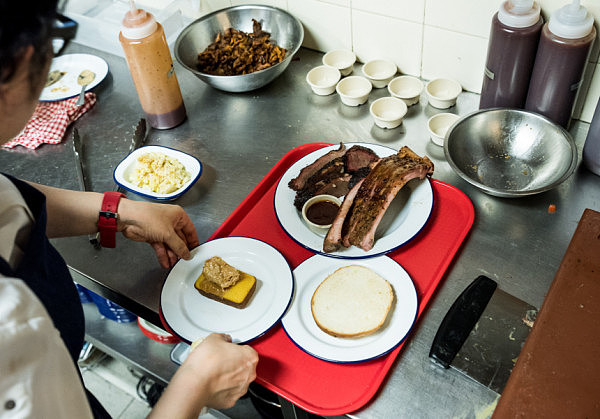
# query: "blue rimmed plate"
302 329
125 168
191 315
406 216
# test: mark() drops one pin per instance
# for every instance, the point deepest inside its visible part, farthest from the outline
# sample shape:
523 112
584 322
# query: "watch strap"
107 218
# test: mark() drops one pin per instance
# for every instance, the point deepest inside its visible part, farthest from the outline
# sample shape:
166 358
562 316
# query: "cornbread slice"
237 295
352 302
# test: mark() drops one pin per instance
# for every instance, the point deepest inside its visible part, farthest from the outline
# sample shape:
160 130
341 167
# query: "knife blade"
483 332
81 177
138 140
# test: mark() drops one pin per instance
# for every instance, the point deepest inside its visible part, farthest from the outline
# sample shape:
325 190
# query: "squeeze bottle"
591 148
151 67
514 38
562 54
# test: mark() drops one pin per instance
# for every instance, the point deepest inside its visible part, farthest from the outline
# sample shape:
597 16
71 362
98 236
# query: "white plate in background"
72 65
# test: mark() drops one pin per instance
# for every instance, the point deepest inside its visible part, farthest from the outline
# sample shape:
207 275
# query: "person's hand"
215 374
228 369
167 228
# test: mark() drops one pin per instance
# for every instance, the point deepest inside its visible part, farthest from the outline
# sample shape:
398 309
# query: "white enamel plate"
124 169
191 315
302 329
72 65
405 217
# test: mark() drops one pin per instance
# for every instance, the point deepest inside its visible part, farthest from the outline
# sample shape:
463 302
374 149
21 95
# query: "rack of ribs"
366 203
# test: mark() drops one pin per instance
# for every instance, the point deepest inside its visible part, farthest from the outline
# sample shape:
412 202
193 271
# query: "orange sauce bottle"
151 66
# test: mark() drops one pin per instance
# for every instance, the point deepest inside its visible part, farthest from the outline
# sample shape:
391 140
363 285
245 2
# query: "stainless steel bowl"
510 152
286 31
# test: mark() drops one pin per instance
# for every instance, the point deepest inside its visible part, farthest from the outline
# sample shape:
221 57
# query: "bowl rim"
195 168
323 67
342 64
413 82
444 98
368 88
399 101
501 192
288 56
382 60
318 198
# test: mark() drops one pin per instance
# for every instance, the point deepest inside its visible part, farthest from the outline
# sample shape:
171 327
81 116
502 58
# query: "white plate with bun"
406 216
190 315
303 330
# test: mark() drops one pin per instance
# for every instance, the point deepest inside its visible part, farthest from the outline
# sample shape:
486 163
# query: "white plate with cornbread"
300 321
191 315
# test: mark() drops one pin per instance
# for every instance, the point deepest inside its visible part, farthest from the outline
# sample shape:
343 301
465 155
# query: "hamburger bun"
352 302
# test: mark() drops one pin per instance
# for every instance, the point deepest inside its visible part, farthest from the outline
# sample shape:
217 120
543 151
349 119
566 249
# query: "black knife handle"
460 320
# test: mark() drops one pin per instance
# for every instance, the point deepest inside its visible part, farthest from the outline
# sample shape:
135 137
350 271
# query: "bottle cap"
137 23
571 21
519 13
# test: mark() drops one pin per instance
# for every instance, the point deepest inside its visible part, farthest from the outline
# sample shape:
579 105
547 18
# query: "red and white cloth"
50 121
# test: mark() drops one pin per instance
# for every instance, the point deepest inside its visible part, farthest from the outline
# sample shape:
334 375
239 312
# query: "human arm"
215 374
167 228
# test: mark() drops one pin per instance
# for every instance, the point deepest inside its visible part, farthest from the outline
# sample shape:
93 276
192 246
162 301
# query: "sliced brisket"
334 173
331 179
358 157
300 181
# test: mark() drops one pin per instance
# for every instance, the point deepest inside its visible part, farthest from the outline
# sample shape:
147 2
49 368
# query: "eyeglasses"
63 30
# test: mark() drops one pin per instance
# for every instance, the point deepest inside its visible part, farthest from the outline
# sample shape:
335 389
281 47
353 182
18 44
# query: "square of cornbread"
237 295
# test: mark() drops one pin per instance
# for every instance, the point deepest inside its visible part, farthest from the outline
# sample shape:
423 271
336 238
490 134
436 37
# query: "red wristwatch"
107 219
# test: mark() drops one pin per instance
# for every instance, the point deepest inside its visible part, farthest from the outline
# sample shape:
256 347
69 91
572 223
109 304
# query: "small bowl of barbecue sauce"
320 211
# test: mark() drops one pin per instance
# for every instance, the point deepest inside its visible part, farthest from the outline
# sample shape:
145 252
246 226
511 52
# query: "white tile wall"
426 38
378 36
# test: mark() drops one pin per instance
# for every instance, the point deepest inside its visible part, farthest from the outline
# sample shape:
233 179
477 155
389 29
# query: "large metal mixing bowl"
286 31
510 152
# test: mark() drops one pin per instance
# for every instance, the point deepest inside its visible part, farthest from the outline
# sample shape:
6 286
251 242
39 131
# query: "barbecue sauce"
563 52
322 212
514 38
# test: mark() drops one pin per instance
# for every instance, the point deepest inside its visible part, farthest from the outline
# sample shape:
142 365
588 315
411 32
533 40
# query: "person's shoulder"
18 303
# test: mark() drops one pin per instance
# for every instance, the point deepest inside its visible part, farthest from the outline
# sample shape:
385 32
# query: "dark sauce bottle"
591 148
514 38
563 52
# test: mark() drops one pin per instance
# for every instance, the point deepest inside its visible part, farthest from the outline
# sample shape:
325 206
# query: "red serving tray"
322 387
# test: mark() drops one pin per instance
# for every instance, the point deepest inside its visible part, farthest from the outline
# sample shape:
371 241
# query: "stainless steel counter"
239 137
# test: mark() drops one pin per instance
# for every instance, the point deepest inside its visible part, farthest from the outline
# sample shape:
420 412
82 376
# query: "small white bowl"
379 72
341 59
354 90
407 88
323 79
388 111
124 169
438 126
442 93
320 229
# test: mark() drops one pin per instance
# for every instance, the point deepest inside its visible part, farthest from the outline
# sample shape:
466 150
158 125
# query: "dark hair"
24 23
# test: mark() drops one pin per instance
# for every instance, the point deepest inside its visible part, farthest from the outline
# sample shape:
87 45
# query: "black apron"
46 273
